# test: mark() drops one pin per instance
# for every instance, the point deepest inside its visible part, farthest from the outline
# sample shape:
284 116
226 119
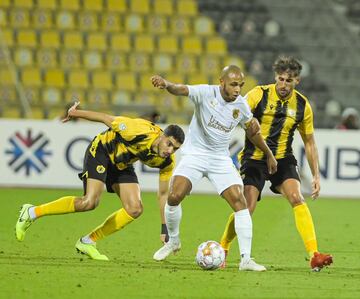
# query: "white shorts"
220 171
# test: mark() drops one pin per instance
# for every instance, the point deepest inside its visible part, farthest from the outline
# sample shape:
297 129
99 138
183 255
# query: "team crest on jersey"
291 112
236 113
213 103
100 169
122 127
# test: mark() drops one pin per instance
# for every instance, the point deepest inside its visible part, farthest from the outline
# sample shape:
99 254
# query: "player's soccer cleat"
90 250
223 265
320 260
166 250
250 265
23 223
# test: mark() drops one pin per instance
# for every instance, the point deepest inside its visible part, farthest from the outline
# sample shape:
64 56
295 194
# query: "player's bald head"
231 71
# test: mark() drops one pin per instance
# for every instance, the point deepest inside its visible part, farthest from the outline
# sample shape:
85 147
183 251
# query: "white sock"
243 229
31 212
173 217
87 240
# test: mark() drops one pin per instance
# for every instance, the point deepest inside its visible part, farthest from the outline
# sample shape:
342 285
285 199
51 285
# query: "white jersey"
213 121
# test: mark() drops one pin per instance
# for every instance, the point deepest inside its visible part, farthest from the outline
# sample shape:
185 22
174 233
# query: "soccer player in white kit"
218 110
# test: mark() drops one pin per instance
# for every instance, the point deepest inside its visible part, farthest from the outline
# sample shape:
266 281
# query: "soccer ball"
210 255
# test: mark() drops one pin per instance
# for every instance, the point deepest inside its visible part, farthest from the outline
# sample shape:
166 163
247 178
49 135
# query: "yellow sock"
229 233
62 205
305 227
113 223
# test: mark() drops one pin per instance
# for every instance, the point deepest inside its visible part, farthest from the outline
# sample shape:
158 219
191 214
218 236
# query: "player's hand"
315 186
70 112
158 82
271 164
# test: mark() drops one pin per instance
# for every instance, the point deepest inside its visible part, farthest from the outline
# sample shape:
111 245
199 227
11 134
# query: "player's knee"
87 203
134 210
174 198
296 198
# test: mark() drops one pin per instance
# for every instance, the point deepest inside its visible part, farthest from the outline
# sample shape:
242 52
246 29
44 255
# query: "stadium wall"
41 153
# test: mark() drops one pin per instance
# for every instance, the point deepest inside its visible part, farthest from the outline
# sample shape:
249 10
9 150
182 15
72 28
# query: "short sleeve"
306 127
246 116
253 97
198 92
166 173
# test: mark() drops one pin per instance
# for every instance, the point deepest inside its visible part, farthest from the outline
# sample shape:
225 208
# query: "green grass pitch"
46 265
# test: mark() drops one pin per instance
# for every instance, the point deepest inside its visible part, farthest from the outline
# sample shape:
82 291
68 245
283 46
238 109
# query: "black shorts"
255 173
101 168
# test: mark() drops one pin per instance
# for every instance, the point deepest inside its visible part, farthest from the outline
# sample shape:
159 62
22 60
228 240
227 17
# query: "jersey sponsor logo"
214 123
122 127
28 152
100 169
291 112
213 103
236 113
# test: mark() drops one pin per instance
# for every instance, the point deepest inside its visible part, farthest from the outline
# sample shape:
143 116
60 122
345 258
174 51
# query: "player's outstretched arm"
175 89
73 112
253 133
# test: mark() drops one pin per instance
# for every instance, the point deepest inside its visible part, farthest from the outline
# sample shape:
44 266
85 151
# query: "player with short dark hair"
281 110
109 161
218 111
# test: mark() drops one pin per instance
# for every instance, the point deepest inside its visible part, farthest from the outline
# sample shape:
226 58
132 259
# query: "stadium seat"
96 41
180 25
50 39
78 79
162 63
98 98
93 5
186 63
73 40
163 7
145 82
198 79
4 3
203 26
42 19
3 57
116 61
120 42
70 59
11 112
7 93
235 60
120 97
23 57
126 81
46 58
88 21
139 62
26 38
3 19
32 95
111 22
55 78
51 96
250 83
157 24
191 45
73 95
7 35
134 23
140 6
216 46
70 4
168 44
144 43
102 80
19 18
65 20
116 6
37 113
23 3
93 60
210 64
46 4
186 8
31 77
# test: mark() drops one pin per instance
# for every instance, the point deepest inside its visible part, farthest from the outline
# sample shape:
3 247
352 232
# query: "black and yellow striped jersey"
130 140
278 121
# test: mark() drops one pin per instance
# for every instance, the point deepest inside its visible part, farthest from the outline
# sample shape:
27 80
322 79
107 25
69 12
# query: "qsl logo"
28 152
